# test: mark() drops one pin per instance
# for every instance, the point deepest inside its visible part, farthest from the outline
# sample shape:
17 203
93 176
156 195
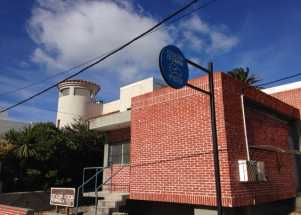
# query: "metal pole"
214 142
111 176
95 187
245 126
77 200
83 178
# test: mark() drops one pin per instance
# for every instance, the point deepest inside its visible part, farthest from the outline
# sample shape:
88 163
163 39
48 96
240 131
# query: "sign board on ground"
173 67
62 196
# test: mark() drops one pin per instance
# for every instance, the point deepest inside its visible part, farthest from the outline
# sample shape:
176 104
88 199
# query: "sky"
41 39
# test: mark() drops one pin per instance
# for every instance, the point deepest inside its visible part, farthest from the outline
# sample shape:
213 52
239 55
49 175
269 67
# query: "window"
58 123
65 92
119 153
81 92
92 96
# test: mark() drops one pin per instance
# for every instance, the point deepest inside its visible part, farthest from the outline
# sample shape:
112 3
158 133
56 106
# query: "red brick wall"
171 150
8 210
120 135
291 97
120 173
263 129
171 131
120 179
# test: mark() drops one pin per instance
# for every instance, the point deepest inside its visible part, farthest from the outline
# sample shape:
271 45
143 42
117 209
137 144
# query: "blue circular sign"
173 67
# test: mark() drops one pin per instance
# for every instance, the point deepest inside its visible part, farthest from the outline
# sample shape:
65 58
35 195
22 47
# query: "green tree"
244 75
23 142
42 156
5 148
84 145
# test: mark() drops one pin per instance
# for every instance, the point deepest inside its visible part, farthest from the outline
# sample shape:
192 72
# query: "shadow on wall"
37 201
284 207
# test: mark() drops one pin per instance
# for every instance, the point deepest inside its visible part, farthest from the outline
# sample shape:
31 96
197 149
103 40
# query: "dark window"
92 95
58 123
81 92
126 153
65 92
119 153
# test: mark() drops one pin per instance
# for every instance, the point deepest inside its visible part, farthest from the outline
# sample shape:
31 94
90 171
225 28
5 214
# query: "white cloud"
221 42
41 56
197 25
212 39
72 31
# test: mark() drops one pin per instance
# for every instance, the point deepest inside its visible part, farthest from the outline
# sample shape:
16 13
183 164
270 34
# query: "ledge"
111 121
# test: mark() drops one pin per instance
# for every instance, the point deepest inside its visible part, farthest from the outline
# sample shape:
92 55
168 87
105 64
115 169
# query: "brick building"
159 148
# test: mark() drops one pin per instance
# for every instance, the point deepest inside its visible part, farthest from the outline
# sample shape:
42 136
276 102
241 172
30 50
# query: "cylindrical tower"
75 96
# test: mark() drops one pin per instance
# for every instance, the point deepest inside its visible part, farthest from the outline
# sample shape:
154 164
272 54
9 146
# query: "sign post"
62 197
174 70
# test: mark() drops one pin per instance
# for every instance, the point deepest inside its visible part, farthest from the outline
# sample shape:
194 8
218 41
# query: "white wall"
135 89
72 107
111 107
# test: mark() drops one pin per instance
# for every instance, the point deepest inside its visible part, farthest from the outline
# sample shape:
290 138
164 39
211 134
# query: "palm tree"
244 75
23 142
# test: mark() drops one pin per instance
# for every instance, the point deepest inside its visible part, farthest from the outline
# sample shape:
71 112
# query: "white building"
6 124
77 101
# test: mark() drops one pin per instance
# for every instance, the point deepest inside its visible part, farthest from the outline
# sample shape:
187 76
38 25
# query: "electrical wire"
95 58
151 30
41 81
279 80
188 14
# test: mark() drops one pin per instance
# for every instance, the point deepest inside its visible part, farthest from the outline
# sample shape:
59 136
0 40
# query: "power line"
187 14
51 77
51 110
95 58
104 57
281 79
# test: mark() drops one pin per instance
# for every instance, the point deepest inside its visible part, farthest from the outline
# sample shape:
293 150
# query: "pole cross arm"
197 66
198 89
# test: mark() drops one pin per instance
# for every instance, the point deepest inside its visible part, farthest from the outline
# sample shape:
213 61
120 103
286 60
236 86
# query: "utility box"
251 171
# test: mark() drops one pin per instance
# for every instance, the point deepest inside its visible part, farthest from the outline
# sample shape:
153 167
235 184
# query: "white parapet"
136 89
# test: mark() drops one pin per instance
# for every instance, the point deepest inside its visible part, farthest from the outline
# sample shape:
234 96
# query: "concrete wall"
6 125
138 88
111 107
